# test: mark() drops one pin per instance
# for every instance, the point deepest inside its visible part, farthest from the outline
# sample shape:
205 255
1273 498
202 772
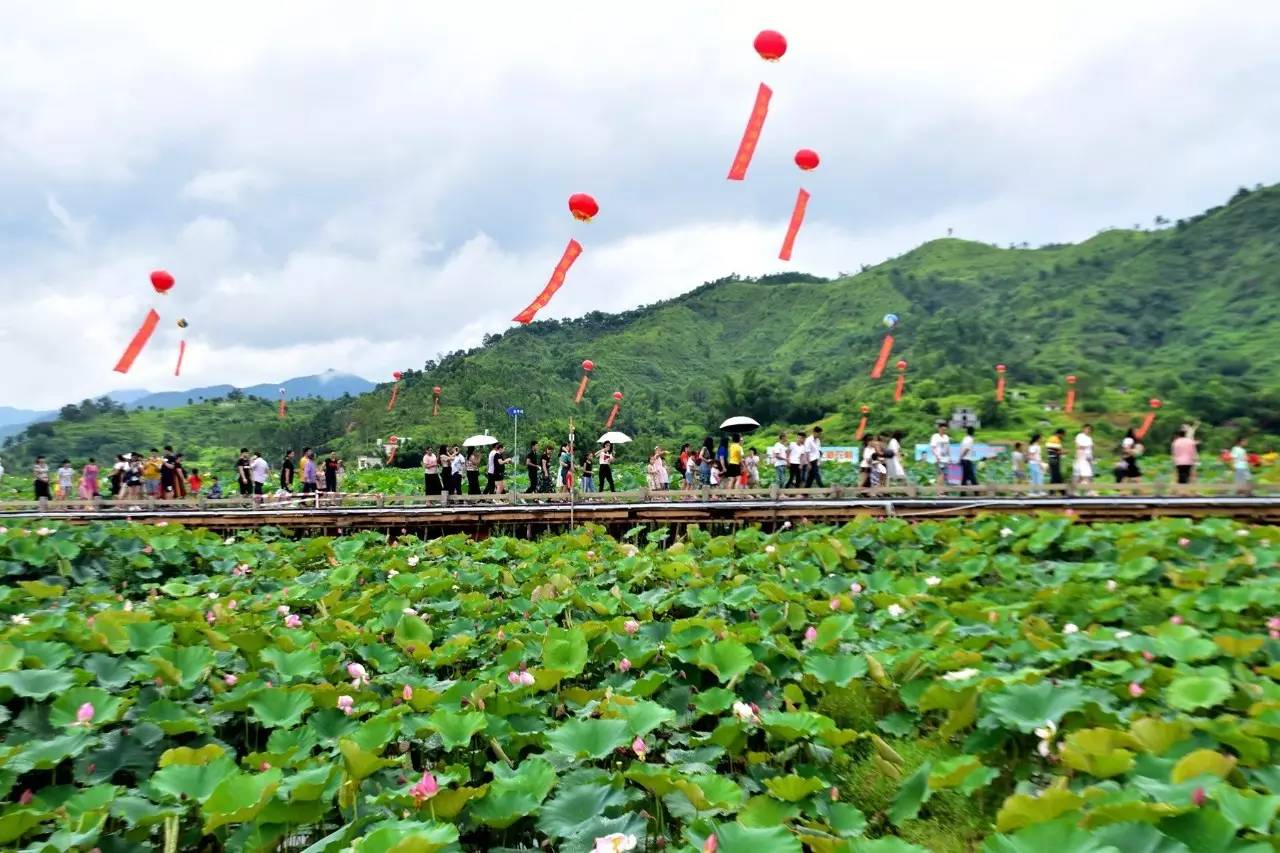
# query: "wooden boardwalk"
532 514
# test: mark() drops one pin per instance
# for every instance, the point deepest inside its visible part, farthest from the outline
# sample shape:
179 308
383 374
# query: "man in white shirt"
968 464
778 459
813 454
258 470
940 450
1083 467
796 459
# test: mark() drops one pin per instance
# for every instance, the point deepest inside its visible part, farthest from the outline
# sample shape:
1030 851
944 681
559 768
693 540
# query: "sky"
368 186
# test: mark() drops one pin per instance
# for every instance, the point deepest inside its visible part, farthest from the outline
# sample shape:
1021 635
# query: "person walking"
651 471
796 462
752 465
1082 468
90 475
286 471
40 479
588 473
813 458
430 472
1035 466
457 470
331 468
564 469
1018 464
1129 451
896 471
309 484
243 478
66 481
777 454
500 461
1240 466
605 457
194 483
258 473
473 472
1185 454
533 467
733 463
968 460
1053 450
867 462
940 452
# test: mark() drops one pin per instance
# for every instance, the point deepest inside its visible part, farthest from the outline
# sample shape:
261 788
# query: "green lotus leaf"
456 728
1191 692
36 683
792 788
191 781
835 669
405 836
565 814
590 738
645 716
292 666
1184 643
279 707
361 763
1026 707
736 838
106 708
515 792
912 794
185 666
1060 835
1246 809
239 797
793 725
565 651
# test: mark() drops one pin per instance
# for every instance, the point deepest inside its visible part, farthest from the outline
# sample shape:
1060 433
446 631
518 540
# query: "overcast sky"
364 186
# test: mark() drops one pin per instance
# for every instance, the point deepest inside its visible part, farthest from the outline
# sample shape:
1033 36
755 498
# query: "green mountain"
1188 313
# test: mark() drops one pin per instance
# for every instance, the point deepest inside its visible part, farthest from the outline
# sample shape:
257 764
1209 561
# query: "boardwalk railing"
322 500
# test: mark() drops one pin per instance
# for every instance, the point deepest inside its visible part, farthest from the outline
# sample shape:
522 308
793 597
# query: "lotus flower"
3 530
391 573
631 626
896 610
230 540
769 549
1198 797
1046 733
26 798
213 596
346 705
358 675
283 610
1176 619
293 620
1275 635
231 605
624 665
1183 542
20 619
1135 689
1070 628
810 634
1006 532
638 747
614 843
264 766
513 678
745 712
230 679
835 793
43 531
210 617
1123 635
855 588
711 845
425 788
526 678
1274 623
409 611
932 580
502 636
1112 586
1148 657
84 714
413 561
834 604
960 674
128 607
407 693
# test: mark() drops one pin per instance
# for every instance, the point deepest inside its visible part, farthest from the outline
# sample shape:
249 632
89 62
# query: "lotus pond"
1005 684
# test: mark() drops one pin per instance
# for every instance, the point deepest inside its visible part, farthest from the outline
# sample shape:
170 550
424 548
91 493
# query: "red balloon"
397 375
1071 380
588 365
807 158
1155 404
436 390
866 409
902 364
999 368
161 281
617 395
583 207
771 45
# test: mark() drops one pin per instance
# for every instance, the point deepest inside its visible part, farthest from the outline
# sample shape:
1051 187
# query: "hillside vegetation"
1189 314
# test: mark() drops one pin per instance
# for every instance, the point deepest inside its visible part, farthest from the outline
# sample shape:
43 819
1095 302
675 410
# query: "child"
66 475
715 474
1019 463
215 489
194 483
753 469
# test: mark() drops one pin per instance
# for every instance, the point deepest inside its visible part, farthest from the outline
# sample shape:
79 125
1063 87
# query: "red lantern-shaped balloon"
771 45
1149 419
902 380
397 375
282 406
999 383
807 159
435 400
436 390
161 281
587 366
862 423
613 413
1071 393
583 207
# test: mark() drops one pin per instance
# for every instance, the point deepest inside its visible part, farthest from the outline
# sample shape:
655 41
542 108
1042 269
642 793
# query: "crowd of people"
796 460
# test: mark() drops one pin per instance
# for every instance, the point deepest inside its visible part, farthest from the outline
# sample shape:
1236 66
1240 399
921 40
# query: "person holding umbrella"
605 457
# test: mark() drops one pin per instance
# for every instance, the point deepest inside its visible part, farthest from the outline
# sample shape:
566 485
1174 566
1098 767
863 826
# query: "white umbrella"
480 441
740 423
614 438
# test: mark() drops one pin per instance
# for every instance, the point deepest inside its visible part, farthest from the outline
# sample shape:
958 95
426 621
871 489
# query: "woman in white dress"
1083 467
893 454
1035 467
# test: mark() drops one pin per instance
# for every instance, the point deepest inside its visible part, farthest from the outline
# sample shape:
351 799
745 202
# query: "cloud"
389 182
227 186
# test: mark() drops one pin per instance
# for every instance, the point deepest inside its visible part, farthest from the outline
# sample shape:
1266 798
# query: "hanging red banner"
862 423
751 136
999 383
613 413
570 255
282 407
1149 419
902 380
885 348
587 366
435 400
797 219
139 341
1071 395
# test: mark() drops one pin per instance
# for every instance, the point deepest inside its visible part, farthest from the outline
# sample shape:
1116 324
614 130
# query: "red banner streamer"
999 383
435 402
395 390
394 442
902 380
797 218
139 341
1148 420
282 406
883 359
751 136
570 255
582 389
182 351
613 414
1071 395
862 423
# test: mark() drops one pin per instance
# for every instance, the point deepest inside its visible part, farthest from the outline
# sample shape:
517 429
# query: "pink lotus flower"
520 678
835 794
407 693
1198 797
1148 657
631 626
855 588
834 604
1183 542
426 788
624 665
26 798
210 617
638 747
358 675
232 604
1275 635
1135 689
1274 623
293 620
711 845
1175 619
264 766
230 679
283 610
346 705
810 634
84 714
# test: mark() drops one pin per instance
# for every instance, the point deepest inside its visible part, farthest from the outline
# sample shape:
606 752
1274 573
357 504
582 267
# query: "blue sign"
514 412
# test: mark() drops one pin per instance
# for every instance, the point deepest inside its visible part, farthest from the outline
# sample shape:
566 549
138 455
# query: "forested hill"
1189 313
